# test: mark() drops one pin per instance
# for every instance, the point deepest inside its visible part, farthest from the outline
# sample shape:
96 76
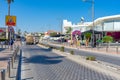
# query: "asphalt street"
102 57
42 64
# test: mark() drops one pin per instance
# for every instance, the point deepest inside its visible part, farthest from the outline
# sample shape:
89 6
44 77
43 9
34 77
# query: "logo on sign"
11 21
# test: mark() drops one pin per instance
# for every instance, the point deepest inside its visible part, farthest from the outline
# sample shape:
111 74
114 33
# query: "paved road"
102 57
42 64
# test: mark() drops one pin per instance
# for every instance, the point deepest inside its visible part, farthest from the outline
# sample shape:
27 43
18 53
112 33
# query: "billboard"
10 21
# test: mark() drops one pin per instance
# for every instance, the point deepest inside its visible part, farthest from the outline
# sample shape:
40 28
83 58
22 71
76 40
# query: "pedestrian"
11 44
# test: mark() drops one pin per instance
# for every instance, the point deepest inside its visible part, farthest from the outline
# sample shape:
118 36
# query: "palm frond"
9 1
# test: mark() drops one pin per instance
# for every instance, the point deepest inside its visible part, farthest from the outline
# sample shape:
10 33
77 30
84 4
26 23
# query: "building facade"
109 25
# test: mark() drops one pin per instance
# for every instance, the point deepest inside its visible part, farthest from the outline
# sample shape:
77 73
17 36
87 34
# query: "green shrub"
72 52
51 47
87 58
91 58
3 39
53 34
57 48
87 35
107 39
62 49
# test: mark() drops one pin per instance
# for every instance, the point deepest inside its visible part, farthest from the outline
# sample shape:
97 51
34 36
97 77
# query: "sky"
43 15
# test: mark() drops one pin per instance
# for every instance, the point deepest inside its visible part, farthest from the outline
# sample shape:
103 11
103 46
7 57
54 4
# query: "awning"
91 31
1 30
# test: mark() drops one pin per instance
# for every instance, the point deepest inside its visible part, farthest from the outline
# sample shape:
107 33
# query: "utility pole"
9 29
92 28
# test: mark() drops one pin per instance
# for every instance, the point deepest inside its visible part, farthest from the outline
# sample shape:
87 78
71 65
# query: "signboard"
2 29
10 29
10 21
2 32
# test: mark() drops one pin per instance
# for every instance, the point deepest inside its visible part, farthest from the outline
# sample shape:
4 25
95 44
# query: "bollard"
15 53
97 47
107 49
0 74
5 45
9 68
12 61
116 49
3 74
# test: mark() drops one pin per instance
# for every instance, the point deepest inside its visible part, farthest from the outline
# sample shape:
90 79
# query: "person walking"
11 44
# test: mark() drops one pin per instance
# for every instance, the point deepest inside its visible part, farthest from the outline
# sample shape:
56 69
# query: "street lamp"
82 19
61 32
92 2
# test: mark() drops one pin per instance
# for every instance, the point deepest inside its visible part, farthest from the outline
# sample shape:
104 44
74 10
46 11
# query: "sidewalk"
5 55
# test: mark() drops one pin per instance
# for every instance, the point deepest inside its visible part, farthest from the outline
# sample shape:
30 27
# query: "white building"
109 24
80 26
65 25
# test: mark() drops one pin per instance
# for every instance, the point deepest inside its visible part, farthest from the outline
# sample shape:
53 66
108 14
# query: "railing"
103 47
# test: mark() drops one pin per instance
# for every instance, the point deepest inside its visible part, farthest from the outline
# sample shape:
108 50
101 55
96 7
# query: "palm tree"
69 30
19 32
25 33
9 2
87 36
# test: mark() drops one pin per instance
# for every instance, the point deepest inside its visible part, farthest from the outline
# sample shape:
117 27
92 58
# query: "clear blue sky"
42 15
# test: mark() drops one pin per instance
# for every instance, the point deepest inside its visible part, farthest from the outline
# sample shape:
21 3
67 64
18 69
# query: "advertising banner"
10 21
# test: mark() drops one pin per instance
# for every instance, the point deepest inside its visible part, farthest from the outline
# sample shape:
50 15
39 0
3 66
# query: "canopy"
1 30
91 31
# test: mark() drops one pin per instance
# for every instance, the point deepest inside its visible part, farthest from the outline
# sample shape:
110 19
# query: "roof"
107 18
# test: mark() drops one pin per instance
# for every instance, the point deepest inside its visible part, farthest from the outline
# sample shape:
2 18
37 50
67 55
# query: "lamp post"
60 24
92 2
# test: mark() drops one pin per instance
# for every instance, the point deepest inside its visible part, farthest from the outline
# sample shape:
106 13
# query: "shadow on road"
40 49
4 58
1 49
30 78
43 59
